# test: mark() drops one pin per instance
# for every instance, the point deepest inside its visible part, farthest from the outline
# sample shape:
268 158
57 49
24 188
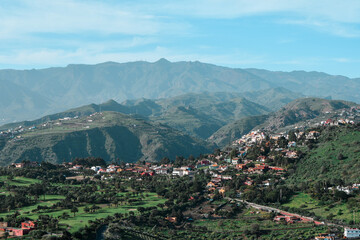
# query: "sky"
280 35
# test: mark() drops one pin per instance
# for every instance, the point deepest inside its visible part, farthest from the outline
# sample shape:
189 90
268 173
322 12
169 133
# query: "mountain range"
198 115
31 94
152 129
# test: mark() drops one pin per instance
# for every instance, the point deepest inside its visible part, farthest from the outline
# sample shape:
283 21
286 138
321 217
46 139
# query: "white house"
351 232
95 168
161 170
182 171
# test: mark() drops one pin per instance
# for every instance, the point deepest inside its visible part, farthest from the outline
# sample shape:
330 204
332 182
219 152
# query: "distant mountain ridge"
197 114
54 90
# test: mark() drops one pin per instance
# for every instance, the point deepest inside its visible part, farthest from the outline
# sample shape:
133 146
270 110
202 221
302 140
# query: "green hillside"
335 157
108 135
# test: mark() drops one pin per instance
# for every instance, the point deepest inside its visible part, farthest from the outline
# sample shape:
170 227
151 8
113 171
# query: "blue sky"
321 35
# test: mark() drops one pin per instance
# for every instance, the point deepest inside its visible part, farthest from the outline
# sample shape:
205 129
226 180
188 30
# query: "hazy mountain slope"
21 103
189 121
314 83
109 135
143 106
201 118
196 114
86 110
198 100
298 112
81 84
232 131
301 110
54 90
234 109
273 98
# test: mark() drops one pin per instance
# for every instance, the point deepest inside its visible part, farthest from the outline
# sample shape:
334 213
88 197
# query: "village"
254 154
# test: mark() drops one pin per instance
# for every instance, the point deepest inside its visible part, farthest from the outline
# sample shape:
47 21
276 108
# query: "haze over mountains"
111 130
154 110
198 115
30 94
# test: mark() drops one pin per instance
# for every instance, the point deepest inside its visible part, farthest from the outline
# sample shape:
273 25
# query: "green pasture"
305 201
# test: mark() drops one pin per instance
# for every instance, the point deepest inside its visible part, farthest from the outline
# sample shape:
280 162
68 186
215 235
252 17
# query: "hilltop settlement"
246 190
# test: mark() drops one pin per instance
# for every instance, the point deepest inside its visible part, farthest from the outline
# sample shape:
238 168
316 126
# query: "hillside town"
257 161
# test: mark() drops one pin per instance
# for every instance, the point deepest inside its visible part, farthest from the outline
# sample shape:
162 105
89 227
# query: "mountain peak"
163 61
110 102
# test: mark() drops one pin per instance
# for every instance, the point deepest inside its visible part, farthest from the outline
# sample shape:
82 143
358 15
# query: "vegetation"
334 157
109 135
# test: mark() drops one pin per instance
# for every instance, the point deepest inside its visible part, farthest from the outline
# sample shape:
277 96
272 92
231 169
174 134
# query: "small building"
325 236
287 218
28 225
235 161
213 167
222 191
161 171
351 232
182 171
204 162
171 219
4 224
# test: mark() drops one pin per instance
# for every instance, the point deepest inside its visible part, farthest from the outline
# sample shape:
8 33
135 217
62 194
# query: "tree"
161 205
94 208
10 177
165 160
74 210
255 228
141 209
65 215
66 236
292 136
86 209
233 153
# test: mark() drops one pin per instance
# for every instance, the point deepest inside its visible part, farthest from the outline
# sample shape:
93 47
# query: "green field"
305 201
81 218
240 227
19 181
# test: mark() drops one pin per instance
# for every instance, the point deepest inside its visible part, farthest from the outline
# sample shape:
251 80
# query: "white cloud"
76 17
347 11
21 17
332 16
338 29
